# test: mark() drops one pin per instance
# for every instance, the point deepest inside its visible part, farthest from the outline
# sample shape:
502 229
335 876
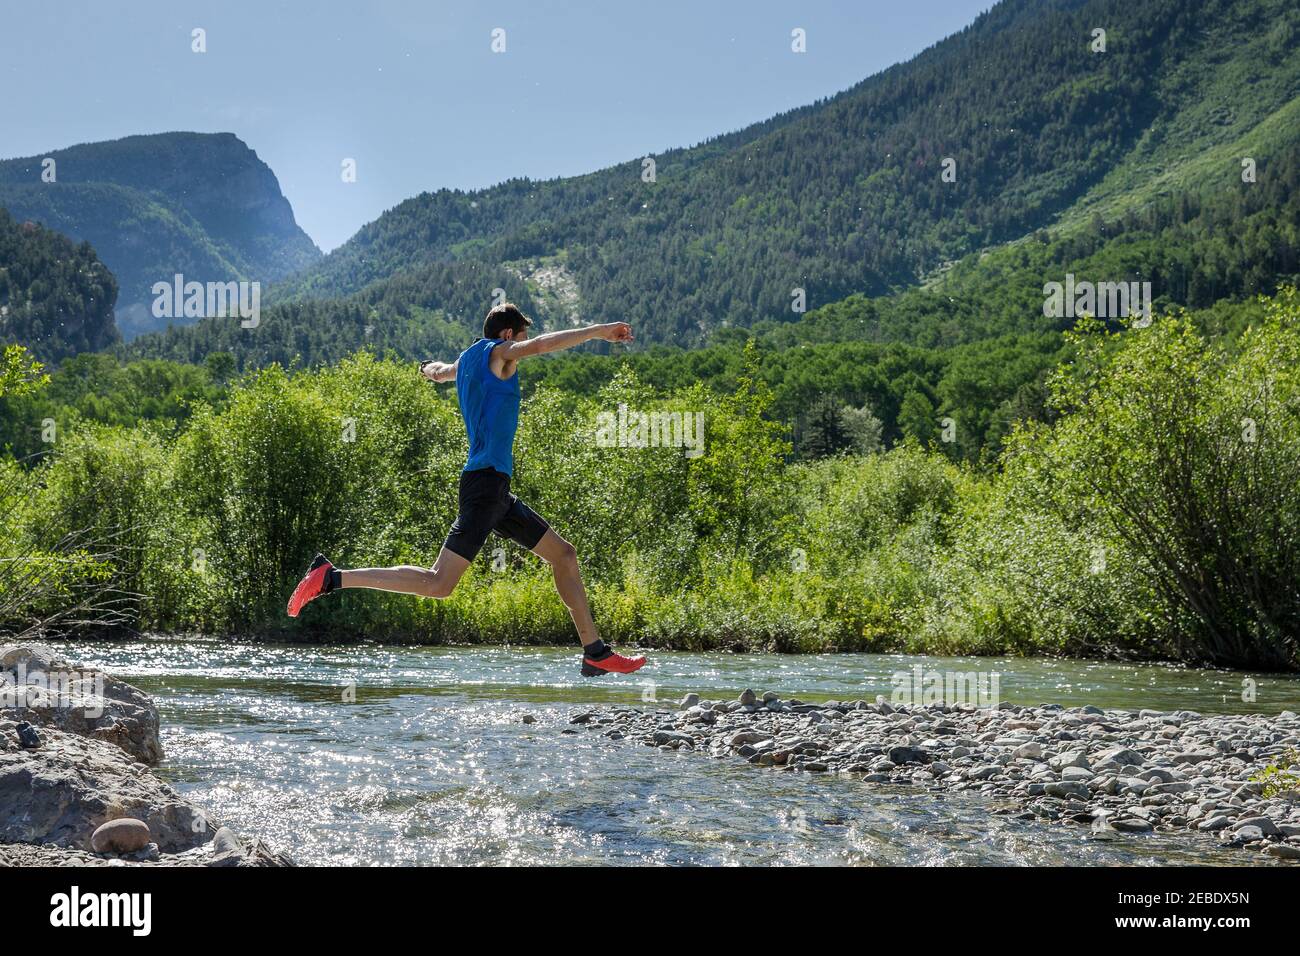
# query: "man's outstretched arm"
564 339
439 371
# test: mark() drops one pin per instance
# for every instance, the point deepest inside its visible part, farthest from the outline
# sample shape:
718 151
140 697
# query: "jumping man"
487 387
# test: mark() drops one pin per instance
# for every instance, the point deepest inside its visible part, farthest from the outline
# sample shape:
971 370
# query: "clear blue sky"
413 92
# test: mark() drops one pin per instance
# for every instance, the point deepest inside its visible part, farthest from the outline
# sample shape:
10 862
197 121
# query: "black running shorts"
486 505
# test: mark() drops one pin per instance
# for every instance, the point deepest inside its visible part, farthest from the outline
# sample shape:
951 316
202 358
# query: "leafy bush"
1187 452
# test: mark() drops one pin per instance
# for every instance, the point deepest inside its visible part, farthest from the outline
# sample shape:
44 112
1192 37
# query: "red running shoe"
608 662
313 584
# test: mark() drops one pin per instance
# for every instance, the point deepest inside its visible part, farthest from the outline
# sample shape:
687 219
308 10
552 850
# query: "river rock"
902 755
1122 756
748 698
1243 835
1132 825
1071 758
124 835
668 738
1266 826
1067 788
28 738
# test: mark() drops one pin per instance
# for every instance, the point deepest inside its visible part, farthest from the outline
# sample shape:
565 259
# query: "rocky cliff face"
76 745
199 204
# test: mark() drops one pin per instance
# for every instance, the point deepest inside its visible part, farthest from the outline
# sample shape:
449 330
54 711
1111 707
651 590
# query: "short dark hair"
502 317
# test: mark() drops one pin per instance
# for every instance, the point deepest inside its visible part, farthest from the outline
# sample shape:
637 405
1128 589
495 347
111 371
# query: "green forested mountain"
199 204
55 295
847 196
1196 248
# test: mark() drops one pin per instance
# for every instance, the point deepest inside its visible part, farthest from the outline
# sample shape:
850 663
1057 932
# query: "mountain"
845 197
56 297
199 204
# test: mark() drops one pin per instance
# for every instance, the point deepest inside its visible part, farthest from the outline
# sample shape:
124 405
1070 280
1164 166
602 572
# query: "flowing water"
399 755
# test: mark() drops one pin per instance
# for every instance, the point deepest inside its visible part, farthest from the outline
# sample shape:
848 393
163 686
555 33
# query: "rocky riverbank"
76 789
1121 773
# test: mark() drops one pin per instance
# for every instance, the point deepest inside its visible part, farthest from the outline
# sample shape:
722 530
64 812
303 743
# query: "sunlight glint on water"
432 764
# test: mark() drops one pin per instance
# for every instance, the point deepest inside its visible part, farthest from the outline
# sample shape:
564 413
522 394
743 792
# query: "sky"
414 93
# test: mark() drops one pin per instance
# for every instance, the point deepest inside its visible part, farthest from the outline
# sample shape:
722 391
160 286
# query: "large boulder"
61 792
39 686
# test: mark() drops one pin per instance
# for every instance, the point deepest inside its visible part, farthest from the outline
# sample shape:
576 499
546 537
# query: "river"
369 755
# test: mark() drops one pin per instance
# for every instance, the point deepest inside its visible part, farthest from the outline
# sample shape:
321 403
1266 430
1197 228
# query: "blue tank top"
490 407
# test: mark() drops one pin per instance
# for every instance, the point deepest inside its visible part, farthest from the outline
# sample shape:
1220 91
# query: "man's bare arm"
439 371
564 339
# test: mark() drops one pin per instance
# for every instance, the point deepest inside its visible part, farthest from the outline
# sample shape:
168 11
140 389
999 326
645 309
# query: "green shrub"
106 486
1187 452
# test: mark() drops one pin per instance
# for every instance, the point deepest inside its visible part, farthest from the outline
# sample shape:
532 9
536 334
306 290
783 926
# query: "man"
487 387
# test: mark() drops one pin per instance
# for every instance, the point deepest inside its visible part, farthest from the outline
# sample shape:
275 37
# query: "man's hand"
615 332
438 371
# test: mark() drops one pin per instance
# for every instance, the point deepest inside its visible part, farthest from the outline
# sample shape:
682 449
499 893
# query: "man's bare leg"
436 582
563 559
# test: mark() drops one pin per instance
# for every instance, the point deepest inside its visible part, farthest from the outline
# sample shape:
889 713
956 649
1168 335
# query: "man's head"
505 321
